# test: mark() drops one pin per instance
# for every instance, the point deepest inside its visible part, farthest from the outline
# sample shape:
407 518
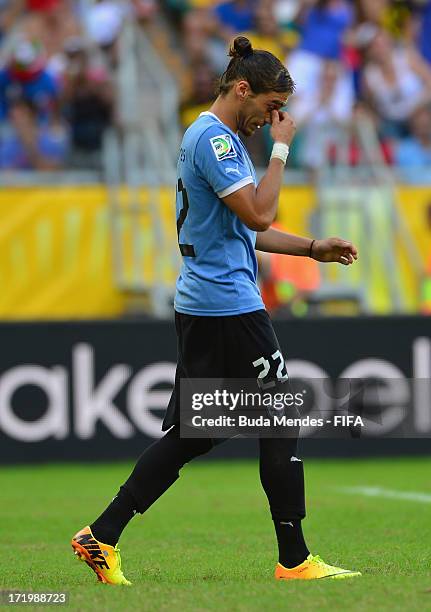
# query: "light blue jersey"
218 275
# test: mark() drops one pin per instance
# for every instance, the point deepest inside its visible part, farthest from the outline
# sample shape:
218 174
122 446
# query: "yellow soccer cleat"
103 559
311 569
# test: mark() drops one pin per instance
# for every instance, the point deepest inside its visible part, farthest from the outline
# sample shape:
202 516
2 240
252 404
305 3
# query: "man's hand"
283 127
334 249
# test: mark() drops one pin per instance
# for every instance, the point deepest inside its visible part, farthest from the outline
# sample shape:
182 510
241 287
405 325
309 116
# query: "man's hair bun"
241 48
263 71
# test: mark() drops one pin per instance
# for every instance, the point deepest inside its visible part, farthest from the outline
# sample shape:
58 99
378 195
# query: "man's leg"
156 470
158 467
282 477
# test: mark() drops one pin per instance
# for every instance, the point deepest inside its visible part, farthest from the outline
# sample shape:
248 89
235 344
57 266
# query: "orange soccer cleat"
103 559
311 569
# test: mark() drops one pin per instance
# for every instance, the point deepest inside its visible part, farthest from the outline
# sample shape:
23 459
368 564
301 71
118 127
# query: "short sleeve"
219 160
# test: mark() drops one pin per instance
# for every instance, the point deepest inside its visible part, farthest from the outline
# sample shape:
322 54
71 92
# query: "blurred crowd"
363 62
57 62
355 62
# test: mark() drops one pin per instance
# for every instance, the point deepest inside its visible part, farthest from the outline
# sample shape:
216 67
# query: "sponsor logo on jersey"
223 147
232 170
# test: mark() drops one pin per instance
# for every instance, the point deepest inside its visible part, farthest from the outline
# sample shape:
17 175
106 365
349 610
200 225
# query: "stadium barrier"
98 390
56 246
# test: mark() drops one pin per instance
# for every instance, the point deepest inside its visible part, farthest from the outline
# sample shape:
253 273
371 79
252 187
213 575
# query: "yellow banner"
56 258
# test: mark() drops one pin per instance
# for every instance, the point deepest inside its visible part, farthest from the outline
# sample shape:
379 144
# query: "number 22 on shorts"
281 374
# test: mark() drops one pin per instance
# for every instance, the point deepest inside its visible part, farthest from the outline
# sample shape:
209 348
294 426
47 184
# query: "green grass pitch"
208 544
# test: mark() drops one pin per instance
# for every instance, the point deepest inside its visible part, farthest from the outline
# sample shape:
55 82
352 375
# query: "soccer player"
223 329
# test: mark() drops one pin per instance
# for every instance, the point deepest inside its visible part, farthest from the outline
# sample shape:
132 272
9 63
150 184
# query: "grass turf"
208 544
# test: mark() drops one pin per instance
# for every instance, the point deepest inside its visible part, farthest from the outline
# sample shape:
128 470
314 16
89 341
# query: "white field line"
424 498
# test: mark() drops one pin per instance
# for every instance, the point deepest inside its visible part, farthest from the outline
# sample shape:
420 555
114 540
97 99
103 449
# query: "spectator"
413 154
267 34
322 113
235 16
219 25
323 26
88 98
50 22
286 14
27 144
394 17
202 93
26 76
396 82
197 27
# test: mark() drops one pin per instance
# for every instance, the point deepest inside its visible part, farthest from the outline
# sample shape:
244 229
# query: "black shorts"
224 347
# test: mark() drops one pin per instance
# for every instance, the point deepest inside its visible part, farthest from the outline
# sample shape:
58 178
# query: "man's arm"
328 250
257 207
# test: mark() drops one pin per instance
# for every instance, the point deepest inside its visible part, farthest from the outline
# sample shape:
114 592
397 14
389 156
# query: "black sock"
156 470
110 524
292 548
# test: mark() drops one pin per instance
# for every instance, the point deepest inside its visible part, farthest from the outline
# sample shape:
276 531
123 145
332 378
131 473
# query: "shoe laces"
317 559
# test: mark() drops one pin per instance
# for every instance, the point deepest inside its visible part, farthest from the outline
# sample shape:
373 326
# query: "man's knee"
186 449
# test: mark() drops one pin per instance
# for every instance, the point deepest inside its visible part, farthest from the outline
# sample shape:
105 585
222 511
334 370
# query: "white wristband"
280 150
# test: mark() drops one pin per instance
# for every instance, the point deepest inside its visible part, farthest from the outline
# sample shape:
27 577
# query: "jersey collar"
210 114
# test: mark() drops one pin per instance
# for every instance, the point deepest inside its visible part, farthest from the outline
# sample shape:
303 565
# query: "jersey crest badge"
223 147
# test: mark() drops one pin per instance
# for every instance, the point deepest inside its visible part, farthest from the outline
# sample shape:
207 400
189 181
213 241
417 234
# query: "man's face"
255 110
